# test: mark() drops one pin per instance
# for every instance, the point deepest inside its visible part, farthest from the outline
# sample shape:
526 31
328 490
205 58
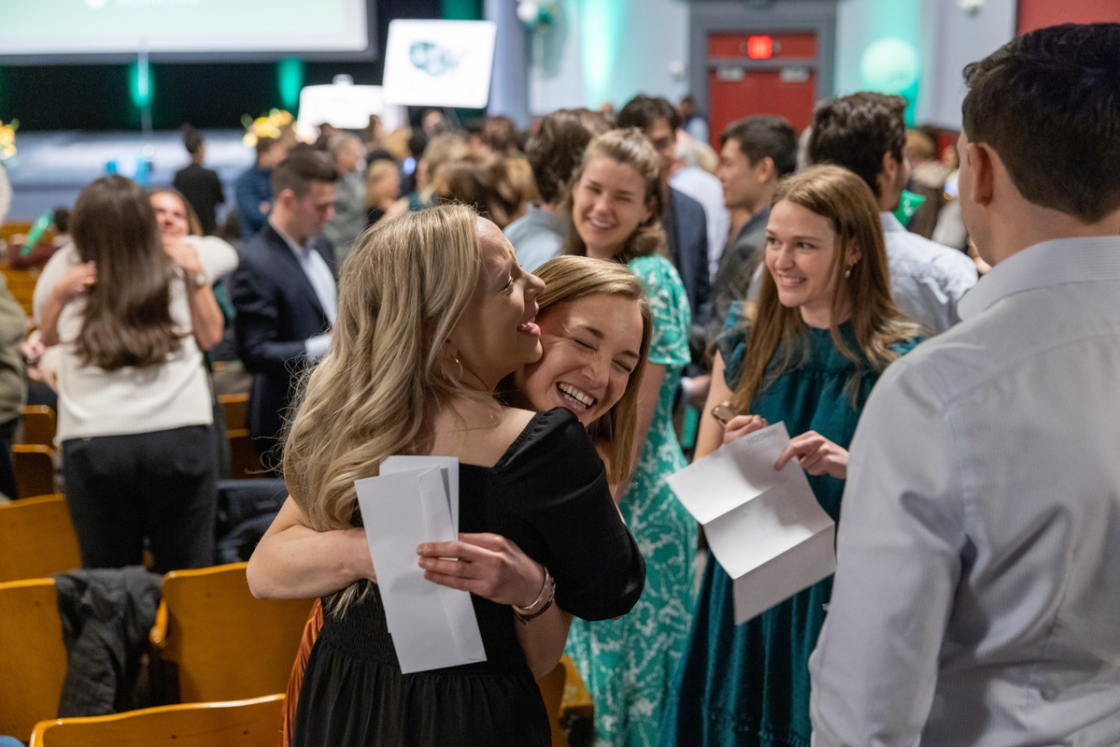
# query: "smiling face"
591 348
171 215
497 333
609 203
801 255
745 185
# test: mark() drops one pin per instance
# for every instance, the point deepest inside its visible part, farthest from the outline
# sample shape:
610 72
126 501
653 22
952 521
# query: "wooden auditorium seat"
37 538
239 723
32 655
21 283
39 423
245 464
34 468
227 644
552 693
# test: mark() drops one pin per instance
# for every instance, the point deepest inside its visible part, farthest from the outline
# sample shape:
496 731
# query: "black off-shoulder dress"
548 493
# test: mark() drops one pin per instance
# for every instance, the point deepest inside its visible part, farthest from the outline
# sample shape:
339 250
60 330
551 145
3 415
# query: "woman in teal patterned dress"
824 330
628 663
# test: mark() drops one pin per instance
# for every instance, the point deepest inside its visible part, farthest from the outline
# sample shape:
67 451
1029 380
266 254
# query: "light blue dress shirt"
927 279
322 281
537 236
977 600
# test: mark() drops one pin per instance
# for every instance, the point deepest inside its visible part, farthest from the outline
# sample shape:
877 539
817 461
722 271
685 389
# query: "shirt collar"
761 216
890 222
300 249
1056 262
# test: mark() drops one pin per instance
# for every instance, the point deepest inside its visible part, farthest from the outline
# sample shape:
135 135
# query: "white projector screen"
203 28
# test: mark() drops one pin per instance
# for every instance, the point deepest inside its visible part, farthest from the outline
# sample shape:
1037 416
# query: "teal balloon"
890 65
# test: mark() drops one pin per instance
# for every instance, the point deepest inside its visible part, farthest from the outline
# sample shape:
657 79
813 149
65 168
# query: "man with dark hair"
684 219
201 186
553 152
976 601
499 135
755 154
284 290
865 133
253 190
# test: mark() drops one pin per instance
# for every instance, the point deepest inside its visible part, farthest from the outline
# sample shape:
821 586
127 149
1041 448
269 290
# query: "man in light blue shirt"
553 152
865 132
977 600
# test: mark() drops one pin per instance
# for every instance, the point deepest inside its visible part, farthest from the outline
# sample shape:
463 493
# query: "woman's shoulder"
544 434
217 255
656 271
732 341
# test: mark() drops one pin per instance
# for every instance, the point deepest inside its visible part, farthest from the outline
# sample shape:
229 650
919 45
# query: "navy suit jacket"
277 311
686 227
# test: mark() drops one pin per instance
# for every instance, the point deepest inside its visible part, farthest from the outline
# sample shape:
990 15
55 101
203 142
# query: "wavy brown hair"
632 148
570 279
777 331
126 320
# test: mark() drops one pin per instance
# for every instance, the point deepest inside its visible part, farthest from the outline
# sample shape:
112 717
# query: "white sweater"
96 402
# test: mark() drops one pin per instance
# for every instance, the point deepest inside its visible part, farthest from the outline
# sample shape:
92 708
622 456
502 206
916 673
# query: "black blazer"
686 228
277 311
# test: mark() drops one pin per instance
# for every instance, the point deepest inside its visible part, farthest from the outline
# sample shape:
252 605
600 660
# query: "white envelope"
432 626
450 467
764 526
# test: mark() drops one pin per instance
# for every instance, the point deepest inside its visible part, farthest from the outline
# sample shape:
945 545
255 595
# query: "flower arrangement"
275 125
8 139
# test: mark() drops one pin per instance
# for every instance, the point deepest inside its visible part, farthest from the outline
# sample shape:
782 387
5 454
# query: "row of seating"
33 457
226 645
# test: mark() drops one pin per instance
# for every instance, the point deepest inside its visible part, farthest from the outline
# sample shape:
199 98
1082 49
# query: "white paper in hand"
764 526
432 626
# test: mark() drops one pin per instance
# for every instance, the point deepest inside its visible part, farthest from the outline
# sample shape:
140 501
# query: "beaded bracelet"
548 593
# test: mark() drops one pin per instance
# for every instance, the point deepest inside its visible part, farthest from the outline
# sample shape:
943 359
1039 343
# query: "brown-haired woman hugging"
824 330
133 313
433 313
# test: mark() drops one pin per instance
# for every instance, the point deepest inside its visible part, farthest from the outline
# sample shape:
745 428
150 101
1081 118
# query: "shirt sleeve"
217 256
53 271
669 304
899 549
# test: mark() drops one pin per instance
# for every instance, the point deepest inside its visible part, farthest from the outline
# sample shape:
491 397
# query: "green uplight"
890 66
289 77
140 83
602 25
461 10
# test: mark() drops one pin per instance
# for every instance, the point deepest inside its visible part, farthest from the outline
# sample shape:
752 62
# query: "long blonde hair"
405 285
570 279
847 202
629 147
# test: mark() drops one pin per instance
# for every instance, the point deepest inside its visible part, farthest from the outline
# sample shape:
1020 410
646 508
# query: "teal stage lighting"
289 77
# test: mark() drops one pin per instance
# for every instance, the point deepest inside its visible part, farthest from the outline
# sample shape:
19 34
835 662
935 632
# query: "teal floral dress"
748 685
627 664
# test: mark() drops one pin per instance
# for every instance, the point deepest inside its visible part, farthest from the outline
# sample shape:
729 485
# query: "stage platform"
50 168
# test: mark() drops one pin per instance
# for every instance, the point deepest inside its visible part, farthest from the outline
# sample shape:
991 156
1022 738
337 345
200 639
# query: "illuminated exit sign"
760 47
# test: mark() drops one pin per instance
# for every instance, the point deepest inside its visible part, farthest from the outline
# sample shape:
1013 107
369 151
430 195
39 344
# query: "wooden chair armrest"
158 634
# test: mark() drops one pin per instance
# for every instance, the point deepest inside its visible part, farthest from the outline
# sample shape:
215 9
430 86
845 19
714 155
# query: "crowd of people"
545 305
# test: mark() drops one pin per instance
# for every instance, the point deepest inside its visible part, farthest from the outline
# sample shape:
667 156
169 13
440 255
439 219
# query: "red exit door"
759 73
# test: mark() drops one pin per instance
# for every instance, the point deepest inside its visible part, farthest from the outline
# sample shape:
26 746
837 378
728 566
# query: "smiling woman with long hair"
132 312
824 330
